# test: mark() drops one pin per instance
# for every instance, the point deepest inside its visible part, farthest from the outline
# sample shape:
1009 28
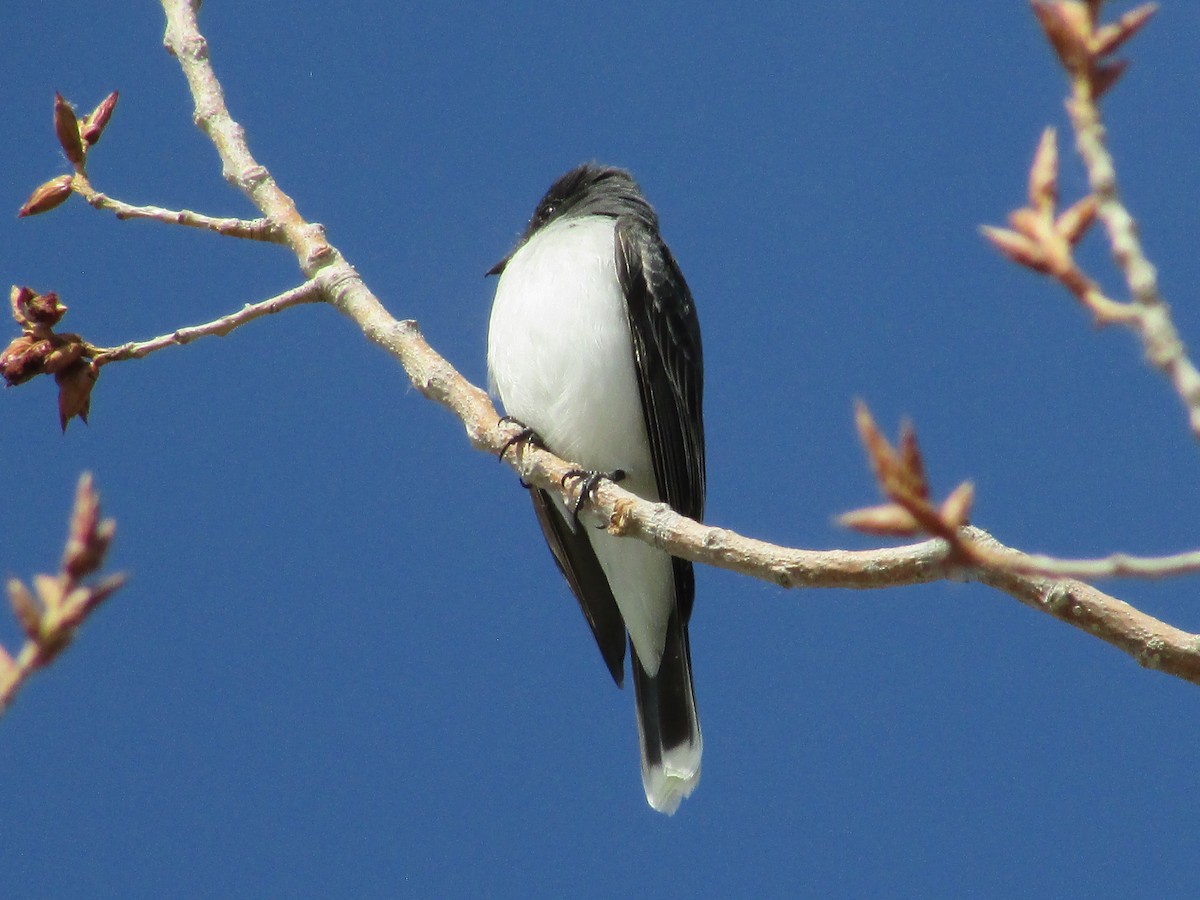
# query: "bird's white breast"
560 357
559 350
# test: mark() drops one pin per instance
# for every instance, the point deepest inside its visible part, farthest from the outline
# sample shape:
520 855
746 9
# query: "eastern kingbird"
594 345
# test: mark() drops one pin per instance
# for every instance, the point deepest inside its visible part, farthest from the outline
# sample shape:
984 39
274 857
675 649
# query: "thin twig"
1116 565
249 229
309 292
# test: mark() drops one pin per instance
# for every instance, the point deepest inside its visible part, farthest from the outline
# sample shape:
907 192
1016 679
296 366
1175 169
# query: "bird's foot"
589 480
523 438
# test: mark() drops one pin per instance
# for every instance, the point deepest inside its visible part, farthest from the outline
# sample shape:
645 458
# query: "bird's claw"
589 481
524 437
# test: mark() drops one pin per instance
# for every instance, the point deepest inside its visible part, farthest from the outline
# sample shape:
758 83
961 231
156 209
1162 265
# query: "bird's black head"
588 190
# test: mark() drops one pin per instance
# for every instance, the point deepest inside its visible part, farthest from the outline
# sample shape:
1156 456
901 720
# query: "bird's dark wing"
670 368
577 560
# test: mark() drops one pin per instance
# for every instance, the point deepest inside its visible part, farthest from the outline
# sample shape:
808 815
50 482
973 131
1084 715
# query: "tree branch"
1084 47
1150 316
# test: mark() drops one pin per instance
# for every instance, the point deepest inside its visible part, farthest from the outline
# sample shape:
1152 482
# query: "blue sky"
345 664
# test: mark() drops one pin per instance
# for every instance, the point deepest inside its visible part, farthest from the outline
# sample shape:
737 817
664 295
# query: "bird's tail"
668 726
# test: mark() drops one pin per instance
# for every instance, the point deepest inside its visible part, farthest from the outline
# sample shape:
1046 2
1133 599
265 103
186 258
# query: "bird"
594 349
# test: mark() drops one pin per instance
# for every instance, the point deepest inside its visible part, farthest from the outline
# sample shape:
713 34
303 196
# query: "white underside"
561 360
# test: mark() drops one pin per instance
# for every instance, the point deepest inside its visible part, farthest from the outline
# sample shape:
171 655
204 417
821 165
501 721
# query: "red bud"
1073 224
25 608
75 391
66 126
93 125
1111 37
23 359
1043 173
888 520
956 509
1106 76
46 196
1068 27
1017 247
35 312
